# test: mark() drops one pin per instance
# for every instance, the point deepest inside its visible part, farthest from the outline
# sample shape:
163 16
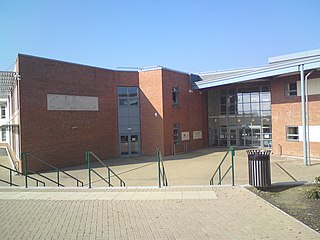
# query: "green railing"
162 177
109 171
10 182
24 157
218 170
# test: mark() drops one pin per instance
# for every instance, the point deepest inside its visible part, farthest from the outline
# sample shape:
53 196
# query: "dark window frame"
291 91
175 96
292 137
176 133
3 112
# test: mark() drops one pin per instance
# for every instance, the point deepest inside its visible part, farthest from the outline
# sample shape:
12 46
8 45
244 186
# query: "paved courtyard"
194 168
144 213
196 211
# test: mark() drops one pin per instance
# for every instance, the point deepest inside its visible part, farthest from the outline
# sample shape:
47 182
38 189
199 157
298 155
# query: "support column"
303 110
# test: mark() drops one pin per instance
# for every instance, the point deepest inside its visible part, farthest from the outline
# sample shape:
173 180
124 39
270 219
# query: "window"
3 135
175 96
292 133
291 89
176 133
3 112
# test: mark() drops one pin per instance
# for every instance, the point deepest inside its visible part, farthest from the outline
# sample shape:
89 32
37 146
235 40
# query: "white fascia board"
264 73
251 76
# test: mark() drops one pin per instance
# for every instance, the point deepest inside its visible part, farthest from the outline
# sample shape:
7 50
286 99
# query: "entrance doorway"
129 121
129 145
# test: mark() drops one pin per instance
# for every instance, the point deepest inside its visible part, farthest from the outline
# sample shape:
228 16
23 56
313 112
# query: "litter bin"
259 168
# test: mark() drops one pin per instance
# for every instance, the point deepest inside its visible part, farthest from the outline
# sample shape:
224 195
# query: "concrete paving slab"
233 213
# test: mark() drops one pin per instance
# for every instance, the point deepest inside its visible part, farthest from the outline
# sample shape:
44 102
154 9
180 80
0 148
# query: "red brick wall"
151 111
286 111
49 134
189 113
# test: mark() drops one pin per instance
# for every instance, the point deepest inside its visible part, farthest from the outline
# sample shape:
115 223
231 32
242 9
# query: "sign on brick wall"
72 103
197 134
185 136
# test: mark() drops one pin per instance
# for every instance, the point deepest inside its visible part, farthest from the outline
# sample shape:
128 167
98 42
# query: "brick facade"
286 111
63 137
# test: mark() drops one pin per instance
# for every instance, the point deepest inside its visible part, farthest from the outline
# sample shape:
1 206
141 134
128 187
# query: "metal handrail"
88 153
11 184
58 170
10 177
161 171
218 170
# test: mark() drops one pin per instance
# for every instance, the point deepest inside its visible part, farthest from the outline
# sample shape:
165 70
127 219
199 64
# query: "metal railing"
218 170
15 171
88 154
24 157
162 177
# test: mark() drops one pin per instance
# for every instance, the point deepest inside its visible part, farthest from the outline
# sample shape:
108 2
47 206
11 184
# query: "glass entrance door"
129 145
232 137
246 137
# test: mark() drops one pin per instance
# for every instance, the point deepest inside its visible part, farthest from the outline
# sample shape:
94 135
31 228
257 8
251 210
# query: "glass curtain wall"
240 116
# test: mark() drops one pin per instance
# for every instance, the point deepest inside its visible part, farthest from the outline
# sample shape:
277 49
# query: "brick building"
59 110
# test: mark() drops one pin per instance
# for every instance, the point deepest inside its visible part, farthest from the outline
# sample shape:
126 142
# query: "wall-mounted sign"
185 136
197 134
72 103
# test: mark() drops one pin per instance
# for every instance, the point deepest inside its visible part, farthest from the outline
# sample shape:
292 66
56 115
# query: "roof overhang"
7 81
268 72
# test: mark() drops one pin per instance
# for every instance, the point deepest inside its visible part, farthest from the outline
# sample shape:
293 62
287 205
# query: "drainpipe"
303 108
307 117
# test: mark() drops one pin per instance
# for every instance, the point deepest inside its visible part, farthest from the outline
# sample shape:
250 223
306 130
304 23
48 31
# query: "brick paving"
221 213
191 212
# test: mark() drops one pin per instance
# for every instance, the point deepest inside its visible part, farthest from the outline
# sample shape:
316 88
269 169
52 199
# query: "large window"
175 96
242 116
292 133
176 133
253 102
128 96
3 112
291 89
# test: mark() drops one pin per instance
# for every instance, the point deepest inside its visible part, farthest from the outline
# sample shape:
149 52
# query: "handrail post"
24 158
219 176
89 168
10 177
232 164
159 168
109 177
58 178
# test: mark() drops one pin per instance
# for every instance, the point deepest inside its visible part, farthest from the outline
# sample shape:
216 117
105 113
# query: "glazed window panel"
246 97
266 106
122 91
291 89
176 133
239 97
3 112
133 92
223 100
255 97
175 96
223 109
292 133
265 97
246 108
3 135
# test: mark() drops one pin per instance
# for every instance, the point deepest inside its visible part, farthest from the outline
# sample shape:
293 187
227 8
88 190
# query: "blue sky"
191 36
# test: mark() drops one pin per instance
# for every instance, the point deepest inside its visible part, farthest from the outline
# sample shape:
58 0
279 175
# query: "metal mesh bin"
259 168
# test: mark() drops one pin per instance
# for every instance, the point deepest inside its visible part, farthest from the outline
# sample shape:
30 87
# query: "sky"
189 36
